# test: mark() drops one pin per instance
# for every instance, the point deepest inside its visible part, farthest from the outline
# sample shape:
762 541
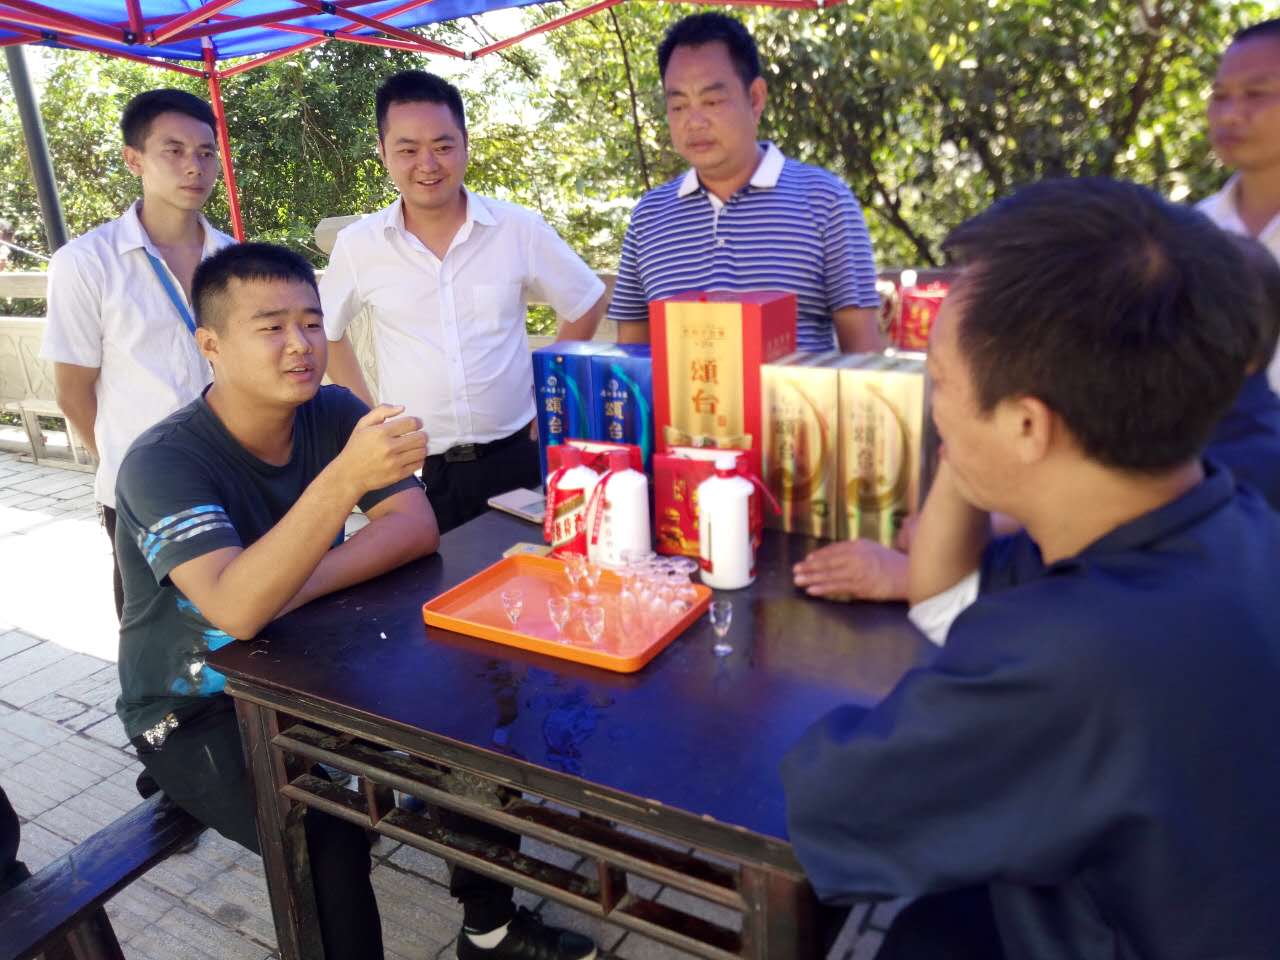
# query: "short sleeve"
339 293
169 505
73 328
558 275
629 302
346 409
849 263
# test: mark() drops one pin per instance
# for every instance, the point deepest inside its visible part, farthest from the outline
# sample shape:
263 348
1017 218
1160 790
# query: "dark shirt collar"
1256 394
1216 489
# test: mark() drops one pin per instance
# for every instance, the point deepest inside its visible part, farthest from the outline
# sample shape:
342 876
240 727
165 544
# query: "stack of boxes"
844 441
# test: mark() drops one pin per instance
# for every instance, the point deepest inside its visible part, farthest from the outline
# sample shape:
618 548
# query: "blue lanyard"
175 297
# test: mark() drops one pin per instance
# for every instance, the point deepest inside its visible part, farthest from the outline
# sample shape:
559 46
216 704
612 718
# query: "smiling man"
1244 127
744 217
447 276
1088 769
231 514
120 332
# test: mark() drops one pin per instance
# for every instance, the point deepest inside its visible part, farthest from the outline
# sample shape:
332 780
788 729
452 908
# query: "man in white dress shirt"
120 332
447 275
1244 127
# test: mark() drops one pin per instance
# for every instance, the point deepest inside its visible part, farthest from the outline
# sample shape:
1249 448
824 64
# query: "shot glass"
721 615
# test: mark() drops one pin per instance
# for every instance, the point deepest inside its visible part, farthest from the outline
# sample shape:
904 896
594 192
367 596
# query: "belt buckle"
462 453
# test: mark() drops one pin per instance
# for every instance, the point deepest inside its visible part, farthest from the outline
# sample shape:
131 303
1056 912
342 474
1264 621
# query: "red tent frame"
34 22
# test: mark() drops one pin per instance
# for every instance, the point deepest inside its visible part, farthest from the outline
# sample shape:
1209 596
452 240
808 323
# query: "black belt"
466 452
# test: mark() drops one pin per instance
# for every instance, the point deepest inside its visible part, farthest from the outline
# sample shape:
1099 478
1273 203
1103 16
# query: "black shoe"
528 938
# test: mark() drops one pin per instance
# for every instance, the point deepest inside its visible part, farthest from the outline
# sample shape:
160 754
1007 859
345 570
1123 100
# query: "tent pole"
224 142
55 228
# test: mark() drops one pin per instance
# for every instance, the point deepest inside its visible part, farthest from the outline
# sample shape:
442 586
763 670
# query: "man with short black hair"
231 513
447 276
744 217
1088 769
1244 128
120 332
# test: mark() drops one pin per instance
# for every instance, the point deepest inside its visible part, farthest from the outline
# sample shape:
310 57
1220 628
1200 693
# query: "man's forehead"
703 60
172 125
1257 57
260 291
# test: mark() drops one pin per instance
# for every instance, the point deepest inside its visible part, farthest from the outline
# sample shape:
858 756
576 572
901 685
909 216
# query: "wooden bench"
59 912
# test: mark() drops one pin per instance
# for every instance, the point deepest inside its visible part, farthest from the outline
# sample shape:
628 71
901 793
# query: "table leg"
281 837
781 916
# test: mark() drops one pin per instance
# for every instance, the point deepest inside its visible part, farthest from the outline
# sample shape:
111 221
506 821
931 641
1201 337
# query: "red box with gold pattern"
707 352
917 311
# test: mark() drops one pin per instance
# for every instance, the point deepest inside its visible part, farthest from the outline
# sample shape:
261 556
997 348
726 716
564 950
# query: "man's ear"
133 160
207 343
1031 427
758 93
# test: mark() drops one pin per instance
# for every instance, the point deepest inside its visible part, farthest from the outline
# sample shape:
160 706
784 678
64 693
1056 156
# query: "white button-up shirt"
449 334
1221 209
108 309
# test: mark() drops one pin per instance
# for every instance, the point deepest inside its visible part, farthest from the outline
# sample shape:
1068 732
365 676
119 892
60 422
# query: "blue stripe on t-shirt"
805 235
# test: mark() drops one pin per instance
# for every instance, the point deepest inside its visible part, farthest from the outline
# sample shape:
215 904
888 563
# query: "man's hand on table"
853 570
382 449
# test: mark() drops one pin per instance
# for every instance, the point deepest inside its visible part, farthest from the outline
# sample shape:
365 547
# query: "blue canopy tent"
194 37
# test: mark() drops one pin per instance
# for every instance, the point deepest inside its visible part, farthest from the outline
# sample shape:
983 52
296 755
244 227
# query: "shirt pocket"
497 307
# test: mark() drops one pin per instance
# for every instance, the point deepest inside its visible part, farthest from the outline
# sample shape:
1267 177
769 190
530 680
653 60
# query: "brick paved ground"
67 768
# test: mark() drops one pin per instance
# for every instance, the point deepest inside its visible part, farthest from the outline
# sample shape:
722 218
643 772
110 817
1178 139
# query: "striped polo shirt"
793 227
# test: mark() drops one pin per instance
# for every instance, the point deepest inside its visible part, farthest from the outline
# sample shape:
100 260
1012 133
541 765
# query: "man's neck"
436 227
167 226
1087 504
1258 198
266 432
726 186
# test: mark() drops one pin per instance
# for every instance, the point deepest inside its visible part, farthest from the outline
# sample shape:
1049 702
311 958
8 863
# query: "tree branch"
635 109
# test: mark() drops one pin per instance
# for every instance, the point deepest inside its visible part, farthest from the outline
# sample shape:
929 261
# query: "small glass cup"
575 567
558 609
591 578
593 623
721 615
513 604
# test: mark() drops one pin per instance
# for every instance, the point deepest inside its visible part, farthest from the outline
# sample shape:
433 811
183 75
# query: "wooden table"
637 768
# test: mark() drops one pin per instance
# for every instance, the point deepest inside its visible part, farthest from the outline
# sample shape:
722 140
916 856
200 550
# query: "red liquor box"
707 352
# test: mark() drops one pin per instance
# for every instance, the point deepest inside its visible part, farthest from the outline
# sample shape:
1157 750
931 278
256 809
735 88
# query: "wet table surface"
690 732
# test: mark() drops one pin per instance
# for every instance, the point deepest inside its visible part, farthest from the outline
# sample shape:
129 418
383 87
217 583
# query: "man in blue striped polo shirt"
744 217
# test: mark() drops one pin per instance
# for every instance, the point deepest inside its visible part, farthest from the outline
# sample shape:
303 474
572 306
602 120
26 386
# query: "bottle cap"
727 463
570 456
619 460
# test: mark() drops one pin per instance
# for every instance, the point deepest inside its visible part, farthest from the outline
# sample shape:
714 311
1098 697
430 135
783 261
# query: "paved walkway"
66 765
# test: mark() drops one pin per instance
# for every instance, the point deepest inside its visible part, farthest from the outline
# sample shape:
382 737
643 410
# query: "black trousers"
109 521
12 870
201 767
956 925
460 491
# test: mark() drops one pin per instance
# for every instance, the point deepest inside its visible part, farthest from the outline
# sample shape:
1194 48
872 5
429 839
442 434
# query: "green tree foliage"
930 109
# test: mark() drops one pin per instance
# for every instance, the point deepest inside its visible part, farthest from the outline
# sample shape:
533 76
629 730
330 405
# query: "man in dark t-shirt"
230 513
1088 769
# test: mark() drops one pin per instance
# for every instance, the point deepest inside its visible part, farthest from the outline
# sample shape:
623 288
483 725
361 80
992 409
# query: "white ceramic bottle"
568 492
618 514
725 550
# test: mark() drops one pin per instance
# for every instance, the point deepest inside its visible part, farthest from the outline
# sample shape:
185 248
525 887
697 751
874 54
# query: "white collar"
765 177
477 212
132 235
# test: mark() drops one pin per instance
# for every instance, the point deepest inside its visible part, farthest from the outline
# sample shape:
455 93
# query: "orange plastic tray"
474 607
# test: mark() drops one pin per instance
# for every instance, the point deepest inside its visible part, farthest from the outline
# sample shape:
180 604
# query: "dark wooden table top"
690 731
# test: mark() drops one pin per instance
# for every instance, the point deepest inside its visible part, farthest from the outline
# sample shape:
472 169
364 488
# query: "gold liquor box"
885 441
800 400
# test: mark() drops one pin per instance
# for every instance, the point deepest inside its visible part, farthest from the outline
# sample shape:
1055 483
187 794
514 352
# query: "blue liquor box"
622 385
562 390
594 391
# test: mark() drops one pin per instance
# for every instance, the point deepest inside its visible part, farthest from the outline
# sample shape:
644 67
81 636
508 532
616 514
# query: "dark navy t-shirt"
187 488
1096 744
